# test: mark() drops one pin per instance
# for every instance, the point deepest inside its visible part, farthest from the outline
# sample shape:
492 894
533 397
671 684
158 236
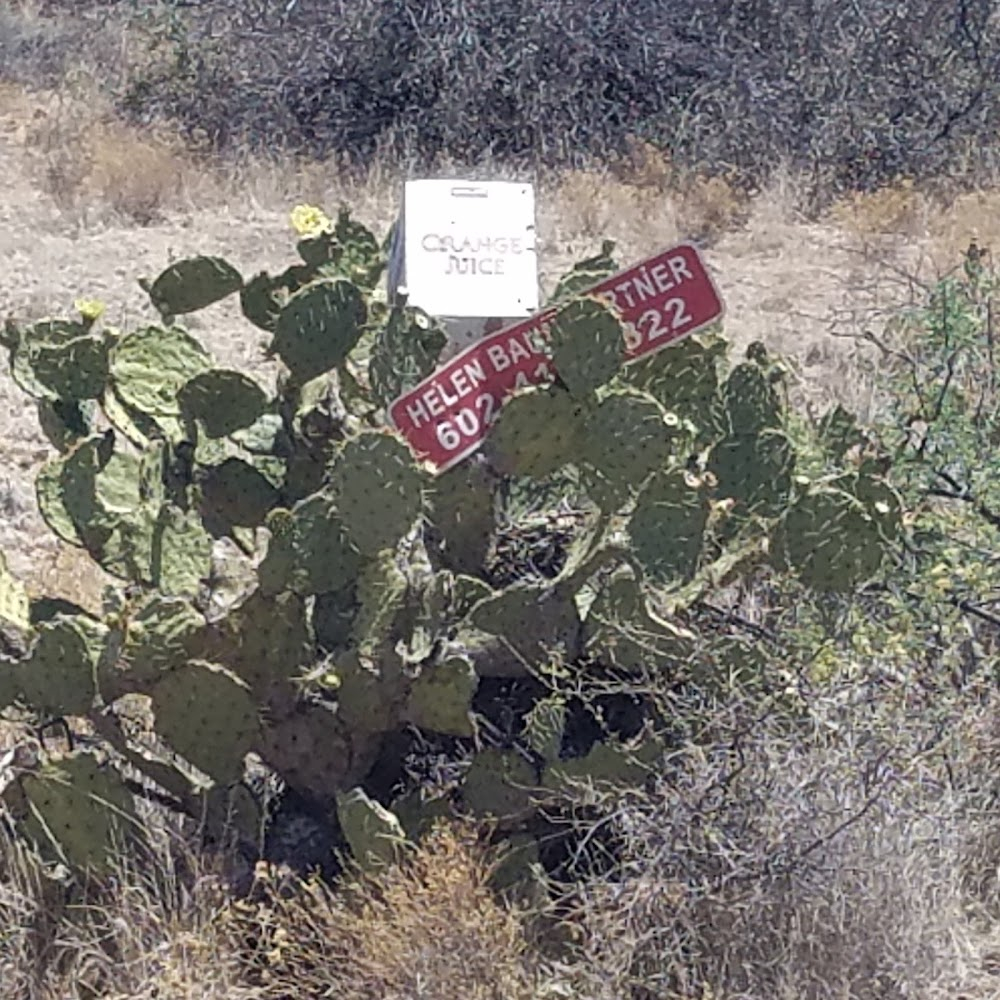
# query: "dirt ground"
801 287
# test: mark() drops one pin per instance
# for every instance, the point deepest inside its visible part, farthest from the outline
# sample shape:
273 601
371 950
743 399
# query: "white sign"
466 250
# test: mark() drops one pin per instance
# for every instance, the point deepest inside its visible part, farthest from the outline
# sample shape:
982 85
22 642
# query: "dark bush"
853 94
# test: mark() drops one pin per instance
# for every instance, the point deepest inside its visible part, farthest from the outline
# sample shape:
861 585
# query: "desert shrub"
852 96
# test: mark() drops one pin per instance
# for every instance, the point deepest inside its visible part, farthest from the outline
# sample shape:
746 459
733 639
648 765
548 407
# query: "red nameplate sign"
447 416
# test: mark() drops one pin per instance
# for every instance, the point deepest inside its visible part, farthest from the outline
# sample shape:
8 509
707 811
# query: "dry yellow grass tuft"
429 926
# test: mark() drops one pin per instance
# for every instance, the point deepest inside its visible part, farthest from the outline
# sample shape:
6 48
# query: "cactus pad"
461 516
24 343
751 400
309 551
15 606
149 368
66 422
405 352
318 327
625 439
373 833
499 783
208 716
59 676
235 493
441 695
588 345
586 274
755 470
537 432
668 526
222 401
77 369
377 490
182 553
78 810
192 284
831 540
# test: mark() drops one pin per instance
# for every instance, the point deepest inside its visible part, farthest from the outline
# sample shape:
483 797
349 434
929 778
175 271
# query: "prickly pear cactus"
380 609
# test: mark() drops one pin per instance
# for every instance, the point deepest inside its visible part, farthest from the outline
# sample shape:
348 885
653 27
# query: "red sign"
446 417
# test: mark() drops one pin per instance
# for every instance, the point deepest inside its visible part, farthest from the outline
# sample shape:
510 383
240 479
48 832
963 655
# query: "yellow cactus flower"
89 309
307 220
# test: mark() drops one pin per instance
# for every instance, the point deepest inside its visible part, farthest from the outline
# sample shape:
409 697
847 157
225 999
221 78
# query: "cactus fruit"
208 716
373 833
78 810
59 675
668 526
537 432
192 284
318 327
222 401
587 344
376 489
441 695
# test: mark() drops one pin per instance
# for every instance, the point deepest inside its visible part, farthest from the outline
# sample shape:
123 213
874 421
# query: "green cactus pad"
751 400
461 517
838 432
27 341
668 526
182 553
208 716
59 676
755 470
149 367
66 422
358 257
265 641
588 346
619 630
311 750
586 274
235 493
318 327
373 833
75 370
625 439
15 606
544 726
377 490
606 763
534 622
882 502
80 811
192 284
441 696
222 401
261 302
309 551
499 783
538 431
405 352
161 634
830 540
333 618
685 380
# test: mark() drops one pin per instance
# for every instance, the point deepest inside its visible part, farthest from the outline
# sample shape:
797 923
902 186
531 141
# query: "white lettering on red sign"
446 417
